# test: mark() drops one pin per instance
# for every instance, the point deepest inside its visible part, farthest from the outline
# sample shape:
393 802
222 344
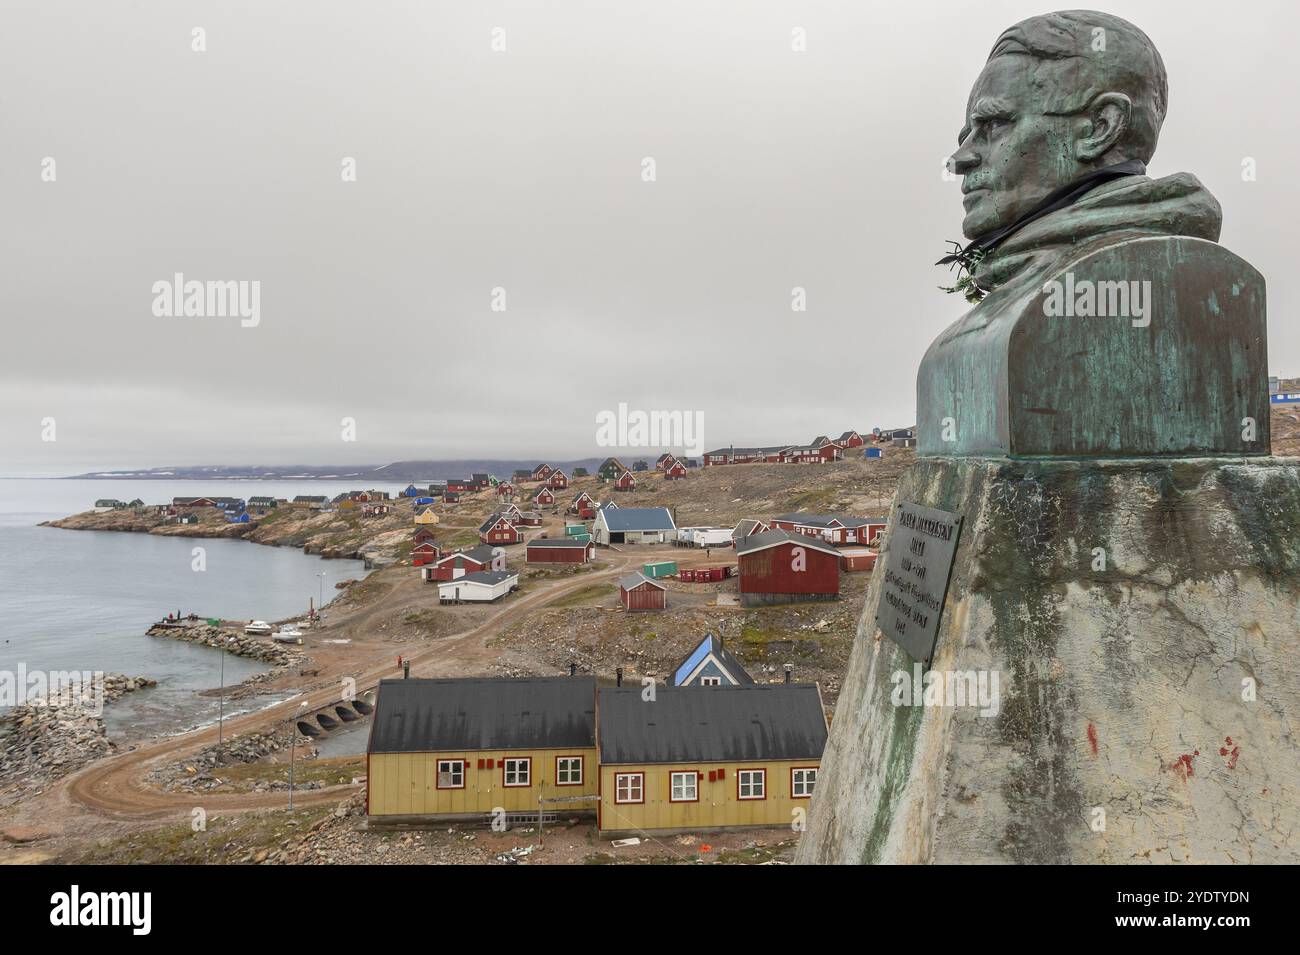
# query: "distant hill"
398 472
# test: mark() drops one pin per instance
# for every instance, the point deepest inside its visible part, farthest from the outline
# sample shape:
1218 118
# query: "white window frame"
710 681
694 779
451 772
751 774
803 780
619 787
527 763
559 781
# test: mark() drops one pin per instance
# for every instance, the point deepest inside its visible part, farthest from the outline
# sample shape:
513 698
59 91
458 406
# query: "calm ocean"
82 600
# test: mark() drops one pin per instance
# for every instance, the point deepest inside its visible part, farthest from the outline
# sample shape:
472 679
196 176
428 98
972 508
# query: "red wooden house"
498 529
780 566
675 471
544 496
663 461
462 562
505 489
558 480
832 528
461 487
625 482
542 472
813 453
424 551
583 501
559 550
850 439
638 592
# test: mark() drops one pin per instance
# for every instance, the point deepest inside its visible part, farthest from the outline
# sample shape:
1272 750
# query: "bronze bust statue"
1109 321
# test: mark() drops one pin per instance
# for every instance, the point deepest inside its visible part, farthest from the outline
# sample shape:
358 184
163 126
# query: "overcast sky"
523 170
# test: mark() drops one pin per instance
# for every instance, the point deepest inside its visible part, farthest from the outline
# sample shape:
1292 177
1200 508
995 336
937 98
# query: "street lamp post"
293 745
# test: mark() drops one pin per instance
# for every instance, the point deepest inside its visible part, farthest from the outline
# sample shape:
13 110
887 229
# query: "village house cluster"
821 450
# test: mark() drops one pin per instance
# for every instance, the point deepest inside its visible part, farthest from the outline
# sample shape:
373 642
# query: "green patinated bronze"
1115 327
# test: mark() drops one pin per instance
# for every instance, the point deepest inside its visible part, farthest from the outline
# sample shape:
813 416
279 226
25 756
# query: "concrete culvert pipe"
345 714
326 721
306 729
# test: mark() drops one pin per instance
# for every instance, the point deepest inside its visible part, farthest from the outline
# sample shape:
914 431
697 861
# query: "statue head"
1061 95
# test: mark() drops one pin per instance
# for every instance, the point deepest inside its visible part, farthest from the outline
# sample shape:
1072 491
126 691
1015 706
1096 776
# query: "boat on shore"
258 628
288 634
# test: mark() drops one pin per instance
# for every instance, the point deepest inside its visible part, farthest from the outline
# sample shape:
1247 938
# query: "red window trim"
629 802
817 769
517 759
753 769
582 769
437 772
693 772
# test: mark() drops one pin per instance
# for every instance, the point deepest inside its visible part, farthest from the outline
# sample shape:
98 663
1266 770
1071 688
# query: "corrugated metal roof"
773 537
636 579
826 520
638 519
413 716
556 542
749 723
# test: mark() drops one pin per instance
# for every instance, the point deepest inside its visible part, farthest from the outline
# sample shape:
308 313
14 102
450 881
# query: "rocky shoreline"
45 739
239 644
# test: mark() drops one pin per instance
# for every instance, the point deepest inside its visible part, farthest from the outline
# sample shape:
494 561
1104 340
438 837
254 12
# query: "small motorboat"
258 628
288 634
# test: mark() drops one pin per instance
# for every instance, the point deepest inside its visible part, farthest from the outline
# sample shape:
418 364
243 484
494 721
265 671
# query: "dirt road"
115 790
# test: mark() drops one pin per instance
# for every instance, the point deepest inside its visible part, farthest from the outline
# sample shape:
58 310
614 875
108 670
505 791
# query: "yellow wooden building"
707 757
426 516
475 748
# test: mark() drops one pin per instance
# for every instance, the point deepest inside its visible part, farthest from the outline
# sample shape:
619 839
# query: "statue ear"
1109 115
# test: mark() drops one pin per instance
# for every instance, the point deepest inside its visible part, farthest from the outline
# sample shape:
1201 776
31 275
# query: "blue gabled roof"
638 519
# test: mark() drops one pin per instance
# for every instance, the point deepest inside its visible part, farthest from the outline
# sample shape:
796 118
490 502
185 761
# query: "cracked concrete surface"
1125 732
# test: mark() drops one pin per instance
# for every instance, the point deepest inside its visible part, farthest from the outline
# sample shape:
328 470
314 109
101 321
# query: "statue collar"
1058 198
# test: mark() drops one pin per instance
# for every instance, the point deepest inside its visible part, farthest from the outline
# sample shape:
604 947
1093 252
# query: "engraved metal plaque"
918 565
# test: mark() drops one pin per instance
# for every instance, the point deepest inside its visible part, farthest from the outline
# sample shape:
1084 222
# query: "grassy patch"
583 595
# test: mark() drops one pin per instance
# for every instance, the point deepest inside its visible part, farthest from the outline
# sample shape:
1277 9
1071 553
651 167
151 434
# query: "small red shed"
559 550
638 592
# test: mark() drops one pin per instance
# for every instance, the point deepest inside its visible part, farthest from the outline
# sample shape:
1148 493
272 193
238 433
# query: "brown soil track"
116 787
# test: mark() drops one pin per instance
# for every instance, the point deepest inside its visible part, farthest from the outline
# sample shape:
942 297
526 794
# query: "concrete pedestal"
1142 618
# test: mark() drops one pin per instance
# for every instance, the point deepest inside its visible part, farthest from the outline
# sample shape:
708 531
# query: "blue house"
710 664
241 518
411 491
873 453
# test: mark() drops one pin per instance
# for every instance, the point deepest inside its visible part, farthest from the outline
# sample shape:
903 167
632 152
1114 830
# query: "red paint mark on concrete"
1092 738
1182 766
1230 754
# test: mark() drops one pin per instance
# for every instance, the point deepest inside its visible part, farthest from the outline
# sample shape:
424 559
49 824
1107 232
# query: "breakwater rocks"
240 644
198 772
62 731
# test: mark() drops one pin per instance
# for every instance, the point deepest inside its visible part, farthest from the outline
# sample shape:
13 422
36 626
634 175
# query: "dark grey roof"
487 525
825 520
749 723
636 579
482 554
774 449
769 538
848 434
310 498
638 519
556 542
442 716
483 577
746 527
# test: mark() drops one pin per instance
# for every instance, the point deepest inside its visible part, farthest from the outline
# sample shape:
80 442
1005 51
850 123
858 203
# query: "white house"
482 587
633 525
